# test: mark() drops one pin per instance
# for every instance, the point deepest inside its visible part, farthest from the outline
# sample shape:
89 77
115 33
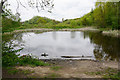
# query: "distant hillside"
43 22
39 22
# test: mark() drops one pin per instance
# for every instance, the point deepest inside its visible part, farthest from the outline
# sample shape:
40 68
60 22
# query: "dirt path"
71 69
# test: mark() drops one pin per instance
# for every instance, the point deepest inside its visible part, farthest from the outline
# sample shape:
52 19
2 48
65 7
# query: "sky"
67 9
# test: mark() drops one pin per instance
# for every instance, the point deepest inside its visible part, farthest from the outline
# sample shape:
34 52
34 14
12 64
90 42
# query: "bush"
28 60
9 25
9 58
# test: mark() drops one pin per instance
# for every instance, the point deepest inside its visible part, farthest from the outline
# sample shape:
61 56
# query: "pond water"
65 45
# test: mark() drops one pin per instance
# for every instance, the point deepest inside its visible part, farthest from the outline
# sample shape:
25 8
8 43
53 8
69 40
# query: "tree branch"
38 4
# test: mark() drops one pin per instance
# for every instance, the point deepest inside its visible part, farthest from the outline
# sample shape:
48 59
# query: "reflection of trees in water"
85 34
106 47
100 54
18 37
12 40
54 35
39 32
73 34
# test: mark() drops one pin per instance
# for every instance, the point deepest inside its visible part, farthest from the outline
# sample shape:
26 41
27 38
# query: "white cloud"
67 9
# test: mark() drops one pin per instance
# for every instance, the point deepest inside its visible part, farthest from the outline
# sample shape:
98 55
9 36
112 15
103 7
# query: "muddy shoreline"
67 69
111 63
45 30
114 33
72 69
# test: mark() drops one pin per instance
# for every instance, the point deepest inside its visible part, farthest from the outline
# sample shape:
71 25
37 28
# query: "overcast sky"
67 9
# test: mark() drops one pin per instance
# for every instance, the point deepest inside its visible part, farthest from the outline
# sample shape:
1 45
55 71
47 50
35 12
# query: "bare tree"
38 4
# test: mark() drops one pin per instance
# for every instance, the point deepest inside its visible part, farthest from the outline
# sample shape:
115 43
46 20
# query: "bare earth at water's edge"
43 29
115 33
72 69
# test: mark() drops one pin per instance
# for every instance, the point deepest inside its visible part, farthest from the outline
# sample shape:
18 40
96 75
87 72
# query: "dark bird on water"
44 54
82 55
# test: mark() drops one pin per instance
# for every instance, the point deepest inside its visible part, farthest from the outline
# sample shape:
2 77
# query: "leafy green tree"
41 20
105 15
99 14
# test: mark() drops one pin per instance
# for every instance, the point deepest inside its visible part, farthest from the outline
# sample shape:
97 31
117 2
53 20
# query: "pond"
65 45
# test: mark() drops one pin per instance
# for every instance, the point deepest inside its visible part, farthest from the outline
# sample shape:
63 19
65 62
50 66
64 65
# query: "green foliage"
107 73
39 22
10 58
105 15
0 30
42 22
27 59
9 25
13 71
60 26
9 21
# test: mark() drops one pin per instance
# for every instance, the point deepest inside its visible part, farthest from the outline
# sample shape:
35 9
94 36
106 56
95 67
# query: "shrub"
10 58
28 60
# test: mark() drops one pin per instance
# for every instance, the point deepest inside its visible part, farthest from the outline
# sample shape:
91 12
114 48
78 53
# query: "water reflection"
106 47
59 43
73 35
54 35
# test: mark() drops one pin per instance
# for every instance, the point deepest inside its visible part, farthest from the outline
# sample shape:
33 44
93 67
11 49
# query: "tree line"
105 15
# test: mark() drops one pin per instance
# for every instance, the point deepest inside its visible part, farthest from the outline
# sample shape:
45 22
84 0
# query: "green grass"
56 68
107 73
13 71
113 76
0 29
